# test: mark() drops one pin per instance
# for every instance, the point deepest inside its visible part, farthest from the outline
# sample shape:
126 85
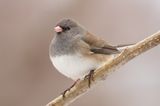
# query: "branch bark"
129 53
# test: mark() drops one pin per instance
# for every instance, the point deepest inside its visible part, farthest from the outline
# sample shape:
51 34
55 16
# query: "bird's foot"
68 89
90 77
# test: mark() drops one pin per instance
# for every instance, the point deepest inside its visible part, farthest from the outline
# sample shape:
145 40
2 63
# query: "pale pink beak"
57 29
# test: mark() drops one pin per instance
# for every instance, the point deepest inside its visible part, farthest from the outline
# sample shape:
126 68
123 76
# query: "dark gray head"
68 27
68 33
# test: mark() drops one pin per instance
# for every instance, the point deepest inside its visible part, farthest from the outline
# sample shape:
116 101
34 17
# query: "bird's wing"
98 45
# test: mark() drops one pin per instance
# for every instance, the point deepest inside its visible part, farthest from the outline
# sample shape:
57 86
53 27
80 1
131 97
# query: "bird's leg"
68 89
90 77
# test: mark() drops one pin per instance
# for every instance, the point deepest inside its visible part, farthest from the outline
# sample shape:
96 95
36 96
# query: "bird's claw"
68 89
90 78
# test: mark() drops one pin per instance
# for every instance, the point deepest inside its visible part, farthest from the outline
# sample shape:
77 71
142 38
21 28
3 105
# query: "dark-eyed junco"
75 52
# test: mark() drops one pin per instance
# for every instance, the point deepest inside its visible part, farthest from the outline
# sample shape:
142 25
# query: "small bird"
76 53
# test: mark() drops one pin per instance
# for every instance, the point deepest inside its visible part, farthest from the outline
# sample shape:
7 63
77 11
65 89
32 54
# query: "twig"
129 53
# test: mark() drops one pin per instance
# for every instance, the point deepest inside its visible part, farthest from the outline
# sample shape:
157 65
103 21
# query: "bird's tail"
121 47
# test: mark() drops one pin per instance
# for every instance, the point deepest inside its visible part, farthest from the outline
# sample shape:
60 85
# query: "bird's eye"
66 28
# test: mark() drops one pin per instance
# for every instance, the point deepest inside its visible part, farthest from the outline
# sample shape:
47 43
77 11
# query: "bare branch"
129 53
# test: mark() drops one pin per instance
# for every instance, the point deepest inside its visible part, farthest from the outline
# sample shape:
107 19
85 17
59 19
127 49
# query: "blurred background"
27 77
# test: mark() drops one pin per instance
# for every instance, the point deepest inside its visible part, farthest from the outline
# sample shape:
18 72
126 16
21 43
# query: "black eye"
66 28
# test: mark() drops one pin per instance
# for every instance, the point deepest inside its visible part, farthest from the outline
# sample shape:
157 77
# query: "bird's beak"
58 29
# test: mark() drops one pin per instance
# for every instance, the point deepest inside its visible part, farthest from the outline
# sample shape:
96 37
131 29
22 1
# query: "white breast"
74 66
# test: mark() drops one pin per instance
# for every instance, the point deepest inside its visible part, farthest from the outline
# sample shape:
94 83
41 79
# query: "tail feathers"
124 46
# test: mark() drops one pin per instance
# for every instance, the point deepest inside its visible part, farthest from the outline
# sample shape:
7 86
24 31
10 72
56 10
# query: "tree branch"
129 53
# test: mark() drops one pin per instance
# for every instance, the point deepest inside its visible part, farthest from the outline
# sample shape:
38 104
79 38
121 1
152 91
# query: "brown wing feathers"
98 45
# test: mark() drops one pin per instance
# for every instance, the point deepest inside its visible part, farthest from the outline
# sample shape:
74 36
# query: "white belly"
75 66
